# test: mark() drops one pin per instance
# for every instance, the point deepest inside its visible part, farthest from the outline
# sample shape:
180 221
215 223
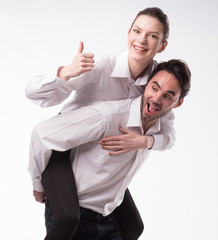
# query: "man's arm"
39 196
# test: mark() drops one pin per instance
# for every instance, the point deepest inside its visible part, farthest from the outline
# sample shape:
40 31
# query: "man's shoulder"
113 107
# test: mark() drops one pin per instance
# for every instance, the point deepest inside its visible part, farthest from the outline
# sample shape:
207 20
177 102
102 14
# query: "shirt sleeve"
165 139
61 133
47 90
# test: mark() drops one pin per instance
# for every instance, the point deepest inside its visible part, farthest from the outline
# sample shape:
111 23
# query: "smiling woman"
147 37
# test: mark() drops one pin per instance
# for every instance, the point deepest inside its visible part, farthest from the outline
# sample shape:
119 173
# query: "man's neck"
147 125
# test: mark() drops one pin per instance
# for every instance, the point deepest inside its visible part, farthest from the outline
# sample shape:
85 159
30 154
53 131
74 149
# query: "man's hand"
39 196
82 62
127 142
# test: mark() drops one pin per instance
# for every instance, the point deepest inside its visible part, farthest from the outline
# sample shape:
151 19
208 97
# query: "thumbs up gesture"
82 62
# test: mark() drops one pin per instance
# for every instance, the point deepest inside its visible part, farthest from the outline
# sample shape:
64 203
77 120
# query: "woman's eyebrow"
136 26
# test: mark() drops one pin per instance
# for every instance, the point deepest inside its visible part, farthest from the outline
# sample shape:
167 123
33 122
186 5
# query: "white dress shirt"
109 80
101 179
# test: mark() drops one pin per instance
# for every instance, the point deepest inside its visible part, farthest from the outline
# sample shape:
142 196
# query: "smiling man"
162 94
102 179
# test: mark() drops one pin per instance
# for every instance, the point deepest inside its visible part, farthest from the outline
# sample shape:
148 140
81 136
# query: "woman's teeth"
139 48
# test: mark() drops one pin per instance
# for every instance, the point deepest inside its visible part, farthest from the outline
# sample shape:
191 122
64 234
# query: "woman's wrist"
148 142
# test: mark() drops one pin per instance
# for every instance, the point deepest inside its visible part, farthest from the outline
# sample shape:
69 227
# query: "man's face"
145 39
161 94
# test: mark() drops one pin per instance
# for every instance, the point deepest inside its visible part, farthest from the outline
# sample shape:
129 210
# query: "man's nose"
157 98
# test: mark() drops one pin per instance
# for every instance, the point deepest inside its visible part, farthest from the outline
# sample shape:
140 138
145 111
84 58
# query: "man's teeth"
152 109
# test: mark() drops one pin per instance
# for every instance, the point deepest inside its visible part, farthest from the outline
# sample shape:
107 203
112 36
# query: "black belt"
92 216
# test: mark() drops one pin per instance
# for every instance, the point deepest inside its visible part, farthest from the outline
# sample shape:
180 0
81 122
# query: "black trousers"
60 188
96 226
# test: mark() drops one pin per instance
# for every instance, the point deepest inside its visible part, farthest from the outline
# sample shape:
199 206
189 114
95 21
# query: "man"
101 179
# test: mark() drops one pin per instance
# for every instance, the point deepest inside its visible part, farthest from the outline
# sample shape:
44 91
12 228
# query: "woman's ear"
163 46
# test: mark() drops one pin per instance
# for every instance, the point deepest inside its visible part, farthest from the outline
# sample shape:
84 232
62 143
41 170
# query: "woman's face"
145 39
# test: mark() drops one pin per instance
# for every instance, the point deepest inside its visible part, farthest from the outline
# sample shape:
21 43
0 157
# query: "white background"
176 191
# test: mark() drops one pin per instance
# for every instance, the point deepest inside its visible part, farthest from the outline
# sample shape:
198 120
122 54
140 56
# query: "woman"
113 77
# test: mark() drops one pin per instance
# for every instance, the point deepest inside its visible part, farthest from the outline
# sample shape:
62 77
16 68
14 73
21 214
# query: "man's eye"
154 88
167 97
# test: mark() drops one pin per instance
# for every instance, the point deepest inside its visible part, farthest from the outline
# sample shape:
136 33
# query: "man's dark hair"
160 15
180 70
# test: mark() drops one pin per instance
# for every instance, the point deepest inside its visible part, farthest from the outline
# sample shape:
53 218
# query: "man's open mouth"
152 108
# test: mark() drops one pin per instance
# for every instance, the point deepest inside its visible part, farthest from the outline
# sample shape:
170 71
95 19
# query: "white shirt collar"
121 69
144 78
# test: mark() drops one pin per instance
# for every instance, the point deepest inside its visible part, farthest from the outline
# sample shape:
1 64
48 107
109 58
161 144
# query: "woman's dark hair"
180 70
160 15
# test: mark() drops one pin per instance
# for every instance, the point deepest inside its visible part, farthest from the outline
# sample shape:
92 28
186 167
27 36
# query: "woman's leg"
129 219
48 216
60 188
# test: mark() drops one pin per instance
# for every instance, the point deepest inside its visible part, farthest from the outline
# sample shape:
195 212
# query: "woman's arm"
130 141
53 88
127 142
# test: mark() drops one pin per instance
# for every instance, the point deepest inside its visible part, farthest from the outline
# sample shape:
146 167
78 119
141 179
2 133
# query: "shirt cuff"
158 142
37 186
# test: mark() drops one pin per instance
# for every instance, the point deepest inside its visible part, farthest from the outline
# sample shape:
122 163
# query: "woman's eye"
136 31
153 36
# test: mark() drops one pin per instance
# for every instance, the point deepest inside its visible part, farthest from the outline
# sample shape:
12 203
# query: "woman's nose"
142 39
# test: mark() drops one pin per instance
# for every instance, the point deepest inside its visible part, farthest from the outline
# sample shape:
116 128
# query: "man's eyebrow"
171 92
155 82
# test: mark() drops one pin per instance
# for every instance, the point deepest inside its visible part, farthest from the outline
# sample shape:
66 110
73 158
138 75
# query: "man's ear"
180 102
163 46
